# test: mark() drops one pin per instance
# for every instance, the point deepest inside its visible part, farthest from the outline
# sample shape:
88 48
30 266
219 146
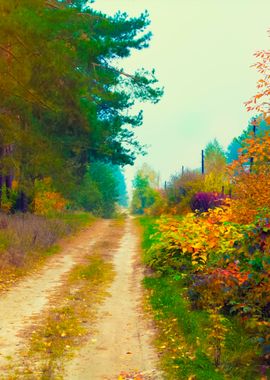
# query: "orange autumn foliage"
260 101
46 200
196 237
250 175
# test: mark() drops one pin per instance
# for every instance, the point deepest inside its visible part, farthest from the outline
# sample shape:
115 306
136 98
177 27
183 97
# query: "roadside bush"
203 201
195 239
227 265
46 200
159 206
8 198
181 189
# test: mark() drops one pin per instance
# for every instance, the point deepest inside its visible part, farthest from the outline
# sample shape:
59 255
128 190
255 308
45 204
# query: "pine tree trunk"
22 203
8 183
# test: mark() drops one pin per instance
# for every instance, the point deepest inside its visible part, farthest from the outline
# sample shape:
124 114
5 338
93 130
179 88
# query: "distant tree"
144 194
261 128
215 167
122 198
147 172
233 150
100 190
215 158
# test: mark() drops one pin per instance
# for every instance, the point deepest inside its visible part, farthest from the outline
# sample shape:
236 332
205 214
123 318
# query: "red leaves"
233 271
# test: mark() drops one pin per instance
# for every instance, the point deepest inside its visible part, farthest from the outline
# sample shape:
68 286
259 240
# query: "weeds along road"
120 341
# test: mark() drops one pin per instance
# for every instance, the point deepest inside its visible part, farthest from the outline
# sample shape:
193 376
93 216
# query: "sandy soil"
29 298
122 342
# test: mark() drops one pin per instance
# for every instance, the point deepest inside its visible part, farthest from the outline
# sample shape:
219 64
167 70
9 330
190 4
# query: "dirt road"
31 296
122 340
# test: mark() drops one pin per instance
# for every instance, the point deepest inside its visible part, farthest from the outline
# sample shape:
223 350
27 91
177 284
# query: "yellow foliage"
214 181
200 235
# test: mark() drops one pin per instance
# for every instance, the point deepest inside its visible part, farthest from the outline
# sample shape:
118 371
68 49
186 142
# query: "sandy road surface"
31 296
122 341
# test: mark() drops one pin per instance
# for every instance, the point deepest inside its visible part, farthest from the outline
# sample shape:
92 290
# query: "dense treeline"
63 104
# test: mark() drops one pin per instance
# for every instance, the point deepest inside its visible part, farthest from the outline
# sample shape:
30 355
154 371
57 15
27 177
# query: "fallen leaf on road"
130 376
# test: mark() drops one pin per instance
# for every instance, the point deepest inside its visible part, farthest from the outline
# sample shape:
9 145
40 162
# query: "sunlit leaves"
251 179
196 238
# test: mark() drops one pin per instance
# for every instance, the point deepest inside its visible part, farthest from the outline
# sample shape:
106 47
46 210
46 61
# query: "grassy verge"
76 220
26 240
185 339
67 326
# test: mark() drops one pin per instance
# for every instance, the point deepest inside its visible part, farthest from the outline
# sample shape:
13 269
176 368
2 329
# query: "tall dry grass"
24 236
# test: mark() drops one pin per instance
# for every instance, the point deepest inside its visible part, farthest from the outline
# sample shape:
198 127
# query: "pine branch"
53 5
21 41
40 101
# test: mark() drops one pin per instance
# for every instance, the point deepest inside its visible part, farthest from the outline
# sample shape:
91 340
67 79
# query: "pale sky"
202 51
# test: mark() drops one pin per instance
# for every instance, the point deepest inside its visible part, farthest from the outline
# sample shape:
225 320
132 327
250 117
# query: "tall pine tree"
63 103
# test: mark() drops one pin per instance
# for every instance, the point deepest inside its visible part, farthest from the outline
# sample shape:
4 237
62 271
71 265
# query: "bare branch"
53 5
40 101
9 53
114 69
